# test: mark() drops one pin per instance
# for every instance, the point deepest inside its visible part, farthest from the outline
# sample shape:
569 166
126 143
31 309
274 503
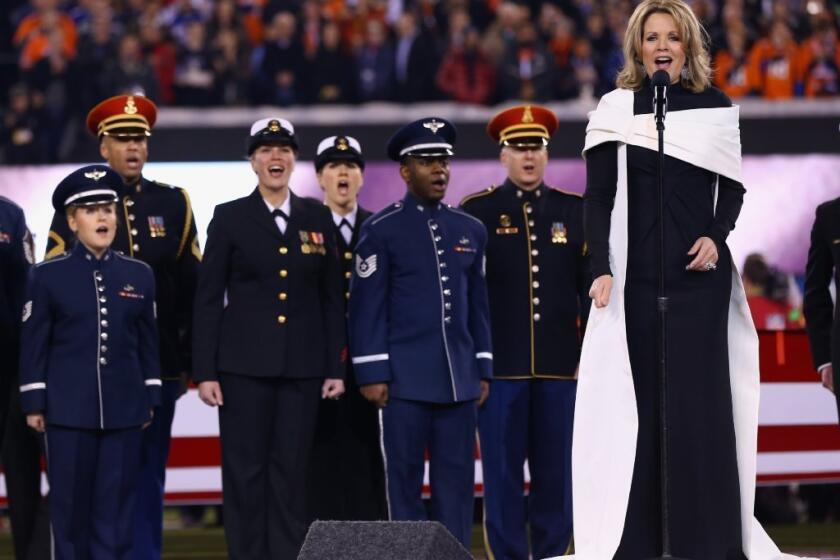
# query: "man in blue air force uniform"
419 332
537 278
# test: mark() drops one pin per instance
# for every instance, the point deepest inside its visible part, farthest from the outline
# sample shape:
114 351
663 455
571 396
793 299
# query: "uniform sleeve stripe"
484 356
32 387
370 358
153 382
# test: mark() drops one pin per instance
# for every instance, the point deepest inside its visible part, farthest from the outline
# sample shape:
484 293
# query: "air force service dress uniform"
269 327
90 364
537 279
419 322
155 225
346 476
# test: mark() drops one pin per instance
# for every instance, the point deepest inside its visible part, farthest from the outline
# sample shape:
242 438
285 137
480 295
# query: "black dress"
705 517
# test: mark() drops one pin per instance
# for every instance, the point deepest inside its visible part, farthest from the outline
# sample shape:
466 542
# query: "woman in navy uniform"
346 477
90 371
420 332
269 335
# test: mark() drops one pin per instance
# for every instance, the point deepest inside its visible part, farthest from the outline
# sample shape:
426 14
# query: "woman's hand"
705 255
332 389
600 290
36 422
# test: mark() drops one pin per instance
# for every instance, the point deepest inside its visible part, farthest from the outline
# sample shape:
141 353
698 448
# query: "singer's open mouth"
663 62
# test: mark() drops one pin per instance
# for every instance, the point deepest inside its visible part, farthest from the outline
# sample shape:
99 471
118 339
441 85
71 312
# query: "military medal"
156 226
558 233
506 229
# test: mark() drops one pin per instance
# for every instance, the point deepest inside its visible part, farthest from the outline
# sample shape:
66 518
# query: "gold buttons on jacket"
135 247
133 231
281 319
282 296
348 274
283 273
348 255
283 250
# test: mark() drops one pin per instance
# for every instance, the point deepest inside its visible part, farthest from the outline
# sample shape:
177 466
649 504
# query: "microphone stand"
659 110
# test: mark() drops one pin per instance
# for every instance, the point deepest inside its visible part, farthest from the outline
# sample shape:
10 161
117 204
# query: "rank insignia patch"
365 267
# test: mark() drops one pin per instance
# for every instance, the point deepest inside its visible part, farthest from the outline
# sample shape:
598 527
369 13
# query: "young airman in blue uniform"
420 334
537 278
90 371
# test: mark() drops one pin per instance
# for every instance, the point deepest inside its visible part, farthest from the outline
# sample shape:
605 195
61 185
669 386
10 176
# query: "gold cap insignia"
434 125
130 107
95 175
274 126
527 117
504 220
341 144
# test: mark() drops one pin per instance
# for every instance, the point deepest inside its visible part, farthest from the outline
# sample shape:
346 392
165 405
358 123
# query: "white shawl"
606 422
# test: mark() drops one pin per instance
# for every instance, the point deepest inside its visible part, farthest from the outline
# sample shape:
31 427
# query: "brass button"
535 284
535 268
536 316
283 250
283 273
348 255
135 247
534 252
133 231
346 295
282 296
281 319
129 202
533 237
348 274
536 301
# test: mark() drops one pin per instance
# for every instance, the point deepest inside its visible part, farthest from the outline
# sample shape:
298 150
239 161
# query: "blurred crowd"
61 57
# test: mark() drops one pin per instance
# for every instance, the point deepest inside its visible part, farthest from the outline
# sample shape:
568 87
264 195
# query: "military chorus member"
20 450
90 371
537 280
346 477
420 334
269 335
822 317
155 224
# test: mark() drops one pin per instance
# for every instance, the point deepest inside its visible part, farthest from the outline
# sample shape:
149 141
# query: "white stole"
606 421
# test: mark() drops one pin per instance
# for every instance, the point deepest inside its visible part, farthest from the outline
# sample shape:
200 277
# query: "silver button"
535 268
104 323
104 310
98 276
536 301
103 348
536 317
533 237
519 194
447 292
447 306
535 284
101 288
438 238
434 227
444 278
133 231
538 193
447 320
440 251
103 361
534 252
104 336
443 265
103 299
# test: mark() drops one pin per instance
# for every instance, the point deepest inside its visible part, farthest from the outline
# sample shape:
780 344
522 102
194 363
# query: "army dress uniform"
155 225
346 477
269 327
418 321
537 280
90 364
21 455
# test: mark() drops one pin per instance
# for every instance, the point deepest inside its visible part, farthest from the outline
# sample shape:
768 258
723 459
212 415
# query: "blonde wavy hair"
696 75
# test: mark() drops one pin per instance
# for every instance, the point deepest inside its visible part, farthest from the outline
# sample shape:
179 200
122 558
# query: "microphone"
660 81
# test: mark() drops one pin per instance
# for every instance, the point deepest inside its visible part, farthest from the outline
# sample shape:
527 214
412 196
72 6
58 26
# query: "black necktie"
342 224
277 212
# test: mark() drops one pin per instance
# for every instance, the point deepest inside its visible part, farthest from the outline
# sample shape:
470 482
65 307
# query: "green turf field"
209 544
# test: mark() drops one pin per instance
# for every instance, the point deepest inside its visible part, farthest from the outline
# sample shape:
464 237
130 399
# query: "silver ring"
711 266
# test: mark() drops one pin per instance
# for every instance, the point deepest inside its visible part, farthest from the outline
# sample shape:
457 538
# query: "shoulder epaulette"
485 192
562 191
386 212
